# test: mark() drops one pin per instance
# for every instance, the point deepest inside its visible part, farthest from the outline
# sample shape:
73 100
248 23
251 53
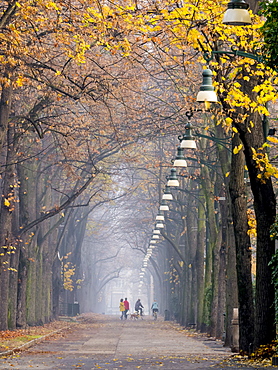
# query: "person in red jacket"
126 304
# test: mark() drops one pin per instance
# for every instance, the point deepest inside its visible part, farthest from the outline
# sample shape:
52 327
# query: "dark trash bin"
167 315
73 309
76 309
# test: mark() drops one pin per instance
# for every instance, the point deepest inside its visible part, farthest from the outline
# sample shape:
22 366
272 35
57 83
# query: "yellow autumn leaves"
262 160
263 164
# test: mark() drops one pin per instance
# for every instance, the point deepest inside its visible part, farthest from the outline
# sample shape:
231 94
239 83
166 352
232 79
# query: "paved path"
106 342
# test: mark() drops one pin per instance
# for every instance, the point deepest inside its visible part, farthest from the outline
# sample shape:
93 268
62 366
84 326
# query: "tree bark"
28 257
21 296
211 243
190 251
7 240
13 289
231 284
237 189
222 270
200 253
5 107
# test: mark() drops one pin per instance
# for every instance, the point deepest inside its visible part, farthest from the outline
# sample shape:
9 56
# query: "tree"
269 32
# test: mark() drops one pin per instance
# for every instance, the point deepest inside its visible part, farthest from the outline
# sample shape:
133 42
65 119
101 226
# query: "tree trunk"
237 189
5 106
190 251
250 127
200 253
265 210
57 285
222 270
211 243
7 240
231 286
31 287
29 249
215 288
22 283
13 288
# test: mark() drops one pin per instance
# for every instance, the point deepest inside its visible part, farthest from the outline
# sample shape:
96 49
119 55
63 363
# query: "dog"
134 316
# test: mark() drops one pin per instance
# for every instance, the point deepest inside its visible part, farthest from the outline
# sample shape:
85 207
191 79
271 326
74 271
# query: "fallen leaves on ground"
244 361
262 357
10 339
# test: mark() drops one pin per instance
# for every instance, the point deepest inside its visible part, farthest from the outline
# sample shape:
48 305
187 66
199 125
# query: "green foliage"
269 9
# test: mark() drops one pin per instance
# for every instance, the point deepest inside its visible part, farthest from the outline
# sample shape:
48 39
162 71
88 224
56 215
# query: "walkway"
105 342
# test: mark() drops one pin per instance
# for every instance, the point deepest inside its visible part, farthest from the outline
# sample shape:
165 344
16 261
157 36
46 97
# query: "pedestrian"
126 304
139 306
122 308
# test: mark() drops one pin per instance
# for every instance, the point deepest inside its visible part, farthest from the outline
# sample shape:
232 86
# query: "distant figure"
122 309
139 306
126 304
154 307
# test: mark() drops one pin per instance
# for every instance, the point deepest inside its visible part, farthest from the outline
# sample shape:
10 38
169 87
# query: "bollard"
166 315
275 360
235 331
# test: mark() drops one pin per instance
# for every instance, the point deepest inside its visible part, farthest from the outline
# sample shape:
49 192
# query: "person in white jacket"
154 307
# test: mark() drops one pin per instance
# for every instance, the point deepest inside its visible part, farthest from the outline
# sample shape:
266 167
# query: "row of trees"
257 323
199 244
198 250
81 83
61 120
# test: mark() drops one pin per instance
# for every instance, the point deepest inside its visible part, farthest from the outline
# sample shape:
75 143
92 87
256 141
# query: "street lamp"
207 92
173 180
155 236
159 225
187 140
166 196
160 216
237 13
180 160
163 206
